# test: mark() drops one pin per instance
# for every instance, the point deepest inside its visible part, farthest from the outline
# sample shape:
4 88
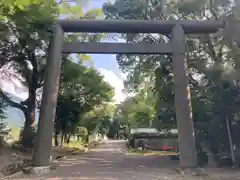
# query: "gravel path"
107 162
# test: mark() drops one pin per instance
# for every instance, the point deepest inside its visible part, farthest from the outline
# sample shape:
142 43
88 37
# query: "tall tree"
99 119
81 89
137 111
28 54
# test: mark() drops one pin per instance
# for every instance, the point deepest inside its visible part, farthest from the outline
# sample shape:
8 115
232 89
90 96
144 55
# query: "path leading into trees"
107 162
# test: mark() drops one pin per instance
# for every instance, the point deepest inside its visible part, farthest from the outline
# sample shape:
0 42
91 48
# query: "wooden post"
186 137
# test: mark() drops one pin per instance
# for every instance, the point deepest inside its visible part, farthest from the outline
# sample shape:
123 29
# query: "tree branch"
212 10
12 103
41 77
34 74
220 53
211 49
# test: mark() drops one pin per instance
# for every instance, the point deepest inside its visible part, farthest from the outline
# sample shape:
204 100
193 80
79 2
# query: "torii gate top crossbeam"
139 26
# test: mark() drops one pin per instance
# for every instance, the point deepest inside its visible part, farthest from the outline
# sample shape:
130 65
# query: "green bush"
82 133
4 130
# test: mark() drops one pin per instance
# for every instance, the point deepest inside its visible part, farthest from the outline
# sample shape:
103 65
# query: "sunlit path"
107 162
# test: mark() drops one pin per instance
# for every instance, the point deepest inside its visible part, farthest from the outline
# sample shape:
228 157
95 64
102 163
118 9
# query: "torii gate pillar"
182 100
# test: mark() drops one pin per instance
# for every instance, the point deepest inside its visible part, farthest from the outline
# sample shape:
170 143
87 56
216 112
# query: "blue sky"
107 62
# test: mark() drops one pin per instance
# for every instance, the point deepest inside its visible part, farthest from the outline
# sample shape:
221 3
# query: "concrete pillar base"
192 171
39 170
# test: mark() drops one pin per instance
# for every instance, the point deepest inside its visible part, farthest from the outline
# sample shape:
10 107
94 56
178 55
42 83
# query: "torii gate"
176 48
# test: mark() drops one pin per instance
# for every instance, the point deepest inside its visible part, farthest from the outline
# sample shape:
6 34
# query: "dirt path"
107 162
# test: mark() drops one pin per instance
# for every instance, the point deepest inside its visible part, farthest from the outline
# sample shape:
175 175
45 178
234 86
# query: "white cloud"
124 76
116 82
14 87
10 82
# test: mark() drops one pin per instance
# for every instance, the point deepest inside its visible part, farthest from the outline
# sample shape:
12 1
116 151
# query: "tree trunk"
57 129
28 136
68 138
65 137
117 135
62 139
27 133
150 123
32 106
56 143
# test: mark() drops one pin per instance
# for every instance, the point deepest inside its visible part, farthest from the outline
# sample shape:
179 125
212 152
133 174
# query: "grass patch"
73 148
149 153
74 144
14 134
66 151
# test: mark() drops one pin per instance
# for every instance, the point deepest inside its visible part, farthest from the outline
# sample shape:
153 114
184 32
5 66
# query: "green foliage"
2 106
24 42
17 3
137 111
81 90
114 129
81 131
98 119
4 130
25 34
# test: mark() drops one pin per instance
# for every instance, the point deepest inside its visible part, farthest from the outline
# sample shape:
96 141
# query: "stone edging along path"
22 165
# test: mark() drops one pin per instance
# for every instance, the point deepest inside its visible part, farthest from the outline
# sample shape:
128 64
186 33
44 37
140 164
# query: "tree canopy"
81 90
25 34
